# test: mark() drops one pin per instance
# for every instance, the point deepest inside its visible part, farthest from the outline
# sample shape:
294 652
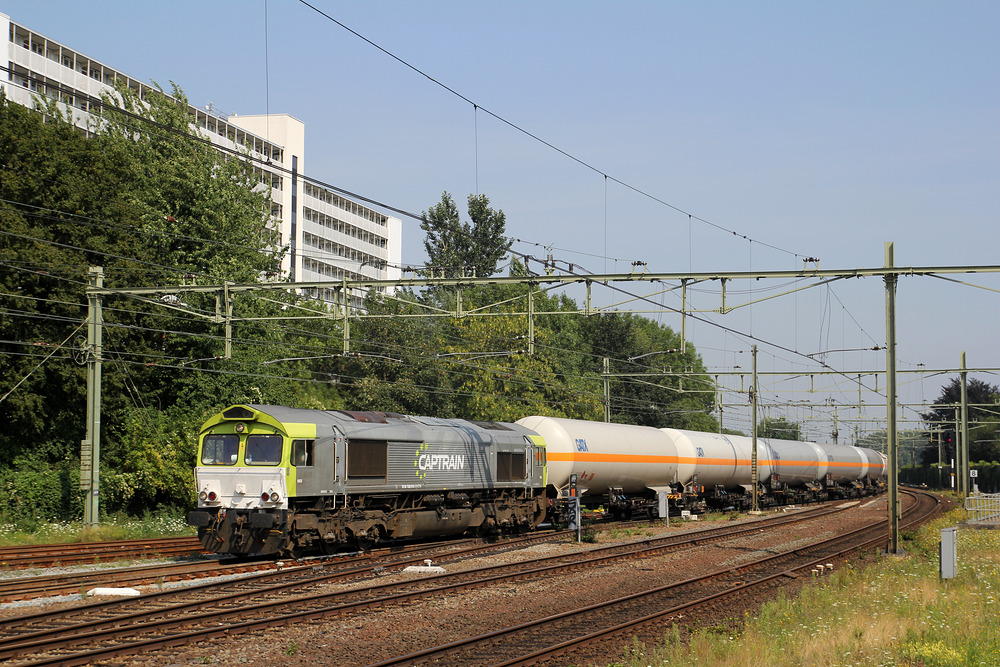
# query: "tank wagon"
628 459
622 468
274 479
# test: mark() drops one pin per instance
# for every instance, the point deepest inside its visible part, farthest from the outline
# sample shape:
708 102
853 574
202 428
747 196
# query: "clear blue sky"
824 129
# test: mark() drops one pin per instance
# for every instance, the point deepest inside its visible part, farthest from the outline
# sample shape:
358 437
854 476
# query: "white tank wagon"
615 465
878 463
721 467
853 470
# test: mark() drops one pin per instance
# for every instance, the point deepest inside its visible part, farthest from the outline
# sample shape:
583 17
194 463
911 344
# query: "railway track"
170 618
558 638
26 588
68 583
50 555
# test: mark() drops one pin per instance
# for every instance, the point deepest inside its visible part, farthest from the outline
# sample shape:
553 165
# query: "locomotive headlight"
203 496
275 497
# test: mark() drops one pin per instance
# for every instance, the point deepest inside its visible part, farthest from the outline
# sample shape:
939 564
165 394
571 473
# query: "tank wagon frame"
274 479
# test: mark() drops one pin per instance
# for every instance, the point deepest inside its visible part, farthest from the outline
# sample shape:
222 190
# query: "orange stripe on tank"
592 457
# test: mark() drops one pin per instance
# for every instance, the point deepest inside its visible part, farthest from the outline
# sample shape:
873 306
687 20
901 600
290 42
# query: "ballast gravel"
374 635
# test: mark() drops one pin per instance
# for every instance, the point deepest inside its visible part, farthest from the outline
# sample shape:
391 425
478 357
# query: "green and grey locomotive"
275 479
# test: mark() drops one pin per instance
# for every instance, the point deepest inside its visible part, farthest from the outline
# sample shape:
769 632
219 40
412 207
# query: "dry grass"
894 613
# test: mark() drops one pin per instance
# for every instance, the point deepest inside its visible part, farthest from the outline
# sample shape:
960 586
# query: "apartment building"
330 237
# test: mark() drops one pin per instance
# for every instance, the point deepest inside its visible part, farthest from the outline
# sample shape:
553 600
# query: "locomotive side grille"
368 417
510 466
367 459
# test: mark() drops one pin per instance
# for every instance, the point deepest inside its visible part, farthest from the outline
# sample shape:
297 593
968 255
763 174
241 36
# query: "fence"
983 508
939 477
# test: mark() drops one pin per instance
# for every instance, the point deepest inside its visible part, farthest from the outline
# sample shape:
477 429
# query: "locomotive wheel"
367 540
292 550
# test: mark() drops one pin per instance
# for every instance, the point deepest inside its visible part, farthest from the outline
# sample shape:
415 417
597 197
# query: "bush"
33 495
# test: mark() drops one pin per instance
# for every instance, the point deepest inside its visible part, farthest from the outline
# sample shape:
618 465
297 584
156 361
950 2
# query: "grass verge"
113 528
896 612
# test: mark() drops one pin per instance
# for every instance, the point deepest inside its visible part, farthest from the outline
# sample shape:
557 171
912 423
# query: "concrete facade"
330 237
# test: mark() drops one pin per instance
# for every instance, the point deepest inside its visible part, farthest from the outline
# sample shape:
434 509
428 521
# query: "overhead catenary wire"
411 216
728 329
39 365
548 144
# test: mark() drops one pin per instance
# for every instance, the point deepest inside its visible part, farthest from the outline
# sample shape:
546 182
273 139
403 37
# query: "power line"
525 132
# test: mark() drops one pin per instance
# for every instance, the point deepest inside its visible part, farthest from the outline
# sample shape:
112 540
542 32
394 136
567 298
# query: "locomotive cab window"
367 459
540 457
510 466
263 450
220 450
302 453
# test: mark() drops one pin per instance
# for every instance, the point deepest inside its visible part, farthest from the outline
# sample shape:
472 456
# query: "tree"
455 248
60 209
652 382
151 204
496 379
780 428
392 366
982 409
911 445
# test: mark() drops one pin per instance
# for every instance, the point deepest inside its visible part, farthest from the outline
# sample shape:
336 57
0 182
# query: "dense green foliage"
779 427
153 205
455 248
983 400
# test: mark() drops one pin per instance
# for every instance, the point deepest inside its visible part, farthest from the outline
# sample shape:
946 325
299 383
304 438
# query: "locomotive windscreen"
220 449
263 450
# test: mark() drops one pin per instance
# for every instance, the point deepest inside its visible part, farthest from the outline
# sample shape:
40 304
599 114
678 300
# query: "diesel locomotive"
281 480
275 479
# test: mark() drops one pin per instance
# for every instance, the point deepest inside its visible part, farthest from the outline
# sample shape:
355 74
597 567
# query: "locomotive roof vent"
238 412
372 417
491 426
